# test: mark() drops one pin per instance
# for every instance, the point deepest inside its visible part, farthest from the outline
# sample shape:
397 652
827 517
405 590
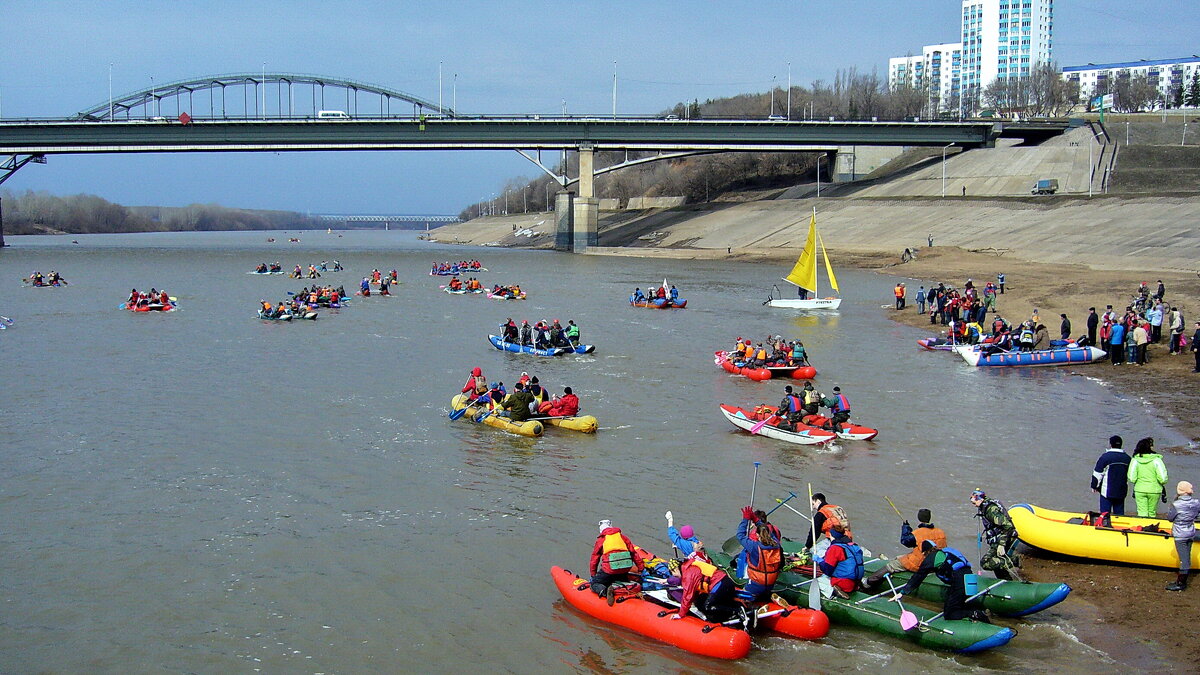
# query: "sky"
509 57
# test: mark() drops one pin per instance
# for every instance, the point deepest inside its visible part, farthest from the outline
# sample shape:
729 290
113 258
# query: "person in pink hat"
683 539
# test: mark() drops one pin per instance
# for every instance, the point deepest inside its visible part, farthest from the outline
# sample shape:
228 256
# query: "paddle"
456 414
758 427
889 501
784 502
792 496
908 620
814 591
754 483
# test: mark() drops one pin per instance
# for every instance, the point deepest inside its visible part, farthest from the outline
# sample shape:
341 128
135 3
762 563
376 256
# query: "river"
202 491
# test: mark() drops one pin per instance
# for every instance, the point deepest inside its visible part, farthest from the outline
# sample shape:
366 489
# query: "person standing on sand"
930 240
1196 347
1000 282
1093 321
1148 474
921 300
1109 477
1155 317
1182 514
1176 329
1141 338
1064 329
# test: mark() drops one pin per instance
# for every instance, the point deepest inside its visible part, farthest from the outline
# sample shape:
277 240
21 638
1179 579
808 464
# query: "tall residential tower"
1003 39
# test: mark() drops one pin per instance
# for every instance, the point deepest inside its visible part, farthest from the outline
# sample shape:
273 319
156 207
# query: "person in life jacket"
790 409
613 560
510 330
825 516
674 293
572 333
761 559
839 405
637 296
704 584
842 564
476 385
811 399
913 539
526 333
493 398
999 534
265 307
952 568
899 291
455 284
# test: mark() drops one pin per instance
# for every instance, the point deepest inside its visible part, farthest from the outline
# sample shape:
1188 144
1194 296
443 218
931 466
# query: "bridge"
285 122
387 220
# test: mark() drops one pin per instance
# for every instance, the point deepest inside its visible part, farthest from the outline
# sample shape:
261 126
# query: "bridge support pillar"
587 216
564 220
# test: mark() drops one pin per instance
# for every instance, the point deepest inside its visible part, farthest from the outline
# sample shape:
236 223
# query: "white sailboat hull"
811 303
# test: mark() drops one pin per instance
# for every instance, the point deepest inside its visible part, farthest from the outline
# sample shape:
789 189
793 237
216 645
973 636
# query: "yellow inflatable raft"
1074 534
583 423
474 413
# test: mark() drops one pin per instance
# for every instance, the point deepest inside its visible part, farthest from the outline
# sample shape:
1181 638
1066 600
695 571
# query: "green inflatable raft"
879 614
1006 598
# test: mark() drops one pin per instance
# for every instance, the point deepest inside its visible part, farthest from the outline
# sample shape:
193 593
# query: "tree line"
32 212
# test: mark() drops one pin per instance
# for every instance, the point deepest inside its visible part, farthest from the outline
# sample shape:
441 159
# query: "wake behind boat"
804 276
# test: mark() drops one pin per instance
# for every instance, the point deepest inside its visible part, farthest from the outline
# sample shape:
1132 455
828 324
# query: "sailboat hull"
811 303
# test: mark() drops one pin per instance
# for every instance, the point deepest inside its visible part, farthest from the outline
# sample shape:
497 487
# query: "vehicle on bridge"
332 115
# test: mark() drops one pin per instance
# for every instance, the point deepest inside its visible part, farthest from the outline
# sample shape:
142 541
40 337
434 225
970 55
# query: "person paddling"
952 568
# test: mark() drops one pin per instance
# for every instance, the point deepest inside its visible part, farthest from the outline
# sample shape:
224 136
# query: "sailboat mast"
816 277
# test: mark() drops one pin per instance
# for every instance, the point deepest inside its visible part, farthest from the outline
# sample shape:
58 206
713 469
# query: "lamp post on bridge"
110 101
789 96
525 197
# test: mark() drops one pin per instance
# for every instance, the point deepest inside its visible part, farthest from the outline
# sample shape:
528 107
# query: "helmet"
978 494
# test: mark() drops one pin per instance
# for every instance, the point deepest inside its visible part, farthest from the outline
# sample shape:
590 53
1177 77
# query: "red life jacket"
766 570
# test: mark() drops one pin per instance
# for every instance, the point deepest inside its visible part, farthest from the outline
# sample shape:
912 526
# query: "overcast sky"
510 57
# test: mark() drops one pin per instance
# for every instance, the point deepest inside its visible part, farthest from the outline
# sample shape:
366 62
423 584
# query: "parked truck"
1046 186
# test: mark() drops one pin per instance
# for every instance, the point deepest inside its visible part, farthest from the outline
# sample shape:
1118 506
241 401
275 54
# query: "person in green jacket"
1148 474
517 404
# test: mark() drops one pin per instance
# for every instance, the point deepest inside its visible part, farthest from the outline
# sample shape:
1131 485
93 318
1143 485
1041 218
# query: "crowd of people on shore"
528 400
772 351
541 335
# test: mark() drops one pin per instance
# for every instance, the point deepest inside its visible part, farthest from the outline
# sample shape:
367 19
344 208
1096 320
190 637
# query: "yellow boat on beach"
478 414
1130 539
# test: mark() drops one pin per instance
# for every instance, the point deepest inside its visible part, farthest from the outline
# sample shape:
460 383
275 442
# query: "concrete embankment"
1109 232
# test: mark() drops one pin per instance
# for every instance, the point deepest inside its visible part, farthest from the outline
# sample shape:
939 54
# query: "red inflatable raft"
760 374
691 633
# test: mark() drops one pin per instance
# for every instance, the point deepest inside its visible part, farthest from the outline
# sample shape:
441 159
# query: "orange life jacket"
706 568
912 559
770 563
833 516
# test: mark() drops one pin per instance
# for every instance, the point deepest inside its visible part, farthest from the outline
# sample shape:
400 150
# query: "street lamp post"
525 198
439 87
819 158
614 90
944 169
110 101
772 114
789 96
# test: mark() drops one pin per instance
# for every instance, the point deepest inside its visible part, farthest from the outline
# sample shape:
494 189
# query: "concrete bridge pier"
586 207
564 221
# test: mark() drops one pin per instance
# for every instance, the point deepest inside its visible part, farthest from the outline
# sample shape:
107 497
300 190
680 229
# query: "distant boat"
329 230
804 275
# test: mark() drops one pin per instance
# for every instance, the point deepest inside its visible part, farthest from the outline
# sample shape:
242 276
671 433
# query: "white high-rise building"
1166 75
1002 39
936 71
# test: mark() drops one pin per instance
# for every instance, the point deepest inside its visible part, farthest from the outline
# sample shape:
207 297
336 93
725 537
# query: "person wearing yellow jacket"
1148 474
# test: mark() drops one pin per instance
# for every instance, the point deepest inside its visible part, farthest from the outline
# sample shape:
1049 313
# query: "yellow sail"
804 274
828 269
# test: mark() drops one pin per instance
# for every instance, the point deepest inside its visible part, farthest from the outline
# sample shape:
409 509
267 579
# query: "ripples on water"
204 491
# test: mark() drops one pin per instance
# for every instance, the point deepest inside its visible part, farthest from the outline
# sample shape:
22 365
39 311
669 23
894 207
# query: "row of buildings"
1002 39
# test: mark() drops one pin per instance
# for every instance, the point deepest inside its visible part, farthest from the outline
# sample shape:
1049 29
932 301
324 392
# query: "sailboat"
804 275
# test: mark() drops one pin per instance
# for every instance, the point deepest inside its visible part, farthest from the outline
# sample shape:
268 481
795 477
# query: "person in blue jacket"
1116 343
1109 478
761 559
683 539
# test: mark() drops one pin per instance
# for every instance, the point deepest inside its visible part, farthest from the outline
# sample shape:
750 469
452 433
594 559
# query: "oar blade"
814 594
455 414
908 620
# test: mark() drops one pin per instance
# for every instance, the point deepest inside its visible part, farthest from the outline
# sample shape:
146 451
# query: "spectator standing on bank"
921 300
1000 282
1155 316
1141 338
1176 318
1093 322
1064 329
1110 477
1148 474
1182 514
1196 347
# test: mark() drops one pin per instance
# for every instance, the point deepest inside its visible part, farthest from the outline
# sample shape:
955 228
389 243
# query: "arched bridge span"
261 96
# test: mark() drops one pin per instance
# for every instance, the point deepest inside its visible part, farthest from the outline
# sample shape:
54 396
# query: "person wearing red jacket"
476 385
566 405
613 560
706 585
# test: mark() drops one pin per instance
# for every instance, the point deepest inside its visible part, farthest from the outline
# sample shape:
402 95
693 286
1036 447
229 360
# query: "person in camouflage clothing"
999 535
